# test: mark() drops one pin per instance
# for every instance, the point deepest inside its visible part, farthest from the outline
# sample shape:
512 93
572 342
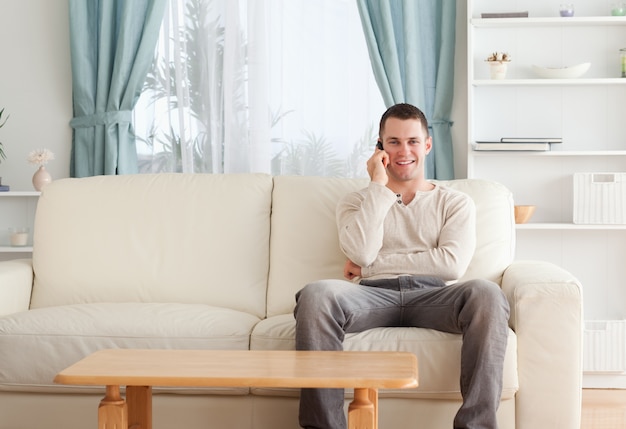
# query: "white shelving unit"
589 113
17 210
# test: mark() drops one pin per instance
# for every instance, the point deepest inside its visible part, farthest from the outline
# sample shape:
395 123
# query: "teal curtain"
411 48
112 45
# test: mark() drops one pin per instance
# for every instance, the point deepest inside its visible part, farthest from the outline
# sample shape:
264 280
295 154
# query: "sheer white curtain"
275 86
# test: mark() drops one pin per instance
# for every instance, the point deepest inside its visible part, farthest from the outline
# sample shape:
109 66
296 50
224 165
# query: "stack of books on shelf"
534 144
504 14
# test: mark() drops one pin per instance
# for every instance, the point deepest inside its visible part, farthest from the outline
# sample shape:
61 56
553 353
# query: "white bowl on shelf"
561 72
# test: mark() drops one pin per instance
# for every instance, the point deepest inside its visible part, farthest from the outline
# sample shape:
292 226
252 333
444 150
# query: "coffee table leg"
139 400
112 412
363 410
373 395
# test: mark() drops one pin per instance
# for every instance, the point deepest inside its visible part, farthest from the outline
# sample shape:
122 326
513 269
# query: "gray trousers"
328 309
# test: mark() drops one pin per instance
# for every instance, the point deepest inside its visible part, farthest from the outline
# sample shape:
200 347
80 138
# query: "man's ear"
429 144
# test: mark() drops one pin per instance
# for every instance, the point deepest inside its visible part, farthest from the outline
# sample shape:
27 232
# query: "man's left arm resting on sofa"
16 283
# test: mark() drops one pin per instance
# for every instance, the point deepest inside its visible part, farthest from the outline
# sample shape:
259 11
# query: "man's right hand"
351 270
377 167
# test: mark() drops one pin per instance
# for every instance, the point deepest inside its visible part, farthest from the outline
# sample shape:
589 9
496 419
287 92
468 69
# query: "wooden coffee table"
139 370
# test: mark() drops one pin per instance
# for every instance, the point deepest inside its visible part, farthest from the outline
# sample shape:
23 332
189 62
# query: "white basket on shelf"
600 198
604 346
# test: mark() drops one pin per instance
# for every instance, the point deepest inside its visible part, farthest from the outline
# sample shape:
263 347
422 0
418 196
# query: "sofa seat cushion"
36 344
438 355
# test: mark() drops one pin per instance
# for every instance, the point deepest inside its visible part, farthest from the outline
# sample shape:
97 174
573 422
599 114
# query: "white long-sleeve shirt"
434 235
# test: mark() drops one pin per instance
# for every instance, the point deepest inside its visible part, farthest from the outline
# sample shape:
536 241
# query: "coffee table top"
243 368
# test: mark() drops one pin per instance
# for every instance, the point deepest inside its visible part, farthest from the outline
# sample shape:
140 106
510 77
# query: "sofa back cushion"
304 244
185 238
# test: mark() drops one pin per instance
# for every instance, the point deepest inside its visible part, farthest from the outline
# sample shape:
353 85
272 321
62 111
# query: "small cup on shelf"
566 10
618 9
18 236
523 213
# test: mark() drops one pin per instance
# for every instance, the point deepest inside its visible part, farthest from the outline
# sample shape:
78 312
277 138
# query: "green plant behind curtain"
112 45
411 47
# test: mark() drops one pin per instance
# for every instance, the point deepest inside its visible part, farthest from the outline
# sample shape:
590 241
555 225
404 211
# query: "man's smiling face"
407 144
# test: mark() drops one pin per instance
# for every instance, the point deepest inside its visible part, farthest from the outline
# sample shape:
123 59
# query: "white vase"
41 178
498 69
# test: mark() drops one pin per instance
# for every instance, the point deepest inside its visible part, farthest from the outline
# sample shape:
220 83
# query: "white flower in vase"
40 157
498 62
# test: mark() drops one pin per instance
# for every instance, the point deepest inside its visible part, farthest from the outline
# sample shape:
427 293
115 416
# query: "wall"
35 88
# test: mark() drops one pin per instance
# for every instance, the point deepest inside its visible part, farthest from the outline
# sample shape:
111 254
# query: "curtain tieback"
106 118
441 122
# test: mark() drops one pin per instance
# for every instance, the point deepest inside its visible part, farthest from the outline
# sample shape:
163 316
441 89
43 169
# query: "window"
275 86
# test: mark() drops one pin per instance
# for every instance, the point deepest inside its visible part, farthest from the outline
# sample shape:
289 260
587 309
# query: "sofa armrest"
547 317
16 284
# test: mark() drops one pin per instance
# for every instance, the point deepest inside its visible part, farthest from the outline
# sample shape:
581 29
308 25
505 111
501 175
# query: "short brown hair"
403 111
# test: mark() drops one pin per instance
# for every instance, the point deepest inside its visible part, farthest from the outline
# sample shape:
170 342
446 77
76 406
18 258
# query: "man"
407 241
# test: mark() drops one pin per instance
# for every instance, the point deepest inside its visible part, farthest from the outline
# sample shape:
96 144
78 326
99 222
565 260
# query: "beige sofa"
213 262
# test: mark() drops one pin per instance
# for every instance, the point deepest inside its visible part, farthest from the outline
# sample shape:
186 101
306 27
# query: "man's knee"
316 296
487 294
315 291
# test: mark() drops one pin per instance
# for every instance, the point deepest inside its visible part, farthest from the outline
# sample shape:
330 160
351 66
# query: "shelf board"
11 249
20 194
566 226
562 153
551 21
549 82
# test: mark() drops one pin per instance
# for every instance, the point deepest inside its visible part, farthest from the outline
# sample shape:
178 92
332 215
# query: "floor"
604 409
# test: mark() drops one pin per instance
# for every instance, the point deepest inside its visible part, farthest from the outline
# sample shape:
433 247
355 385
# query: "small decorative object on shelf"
566 10
523 213
618 9
498 62
18 237
3 188
40 157
623 61
572 72
2 155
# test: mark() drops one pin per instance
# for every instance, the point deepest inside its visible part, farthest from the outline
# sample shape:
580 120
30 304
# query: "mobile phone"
379 145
